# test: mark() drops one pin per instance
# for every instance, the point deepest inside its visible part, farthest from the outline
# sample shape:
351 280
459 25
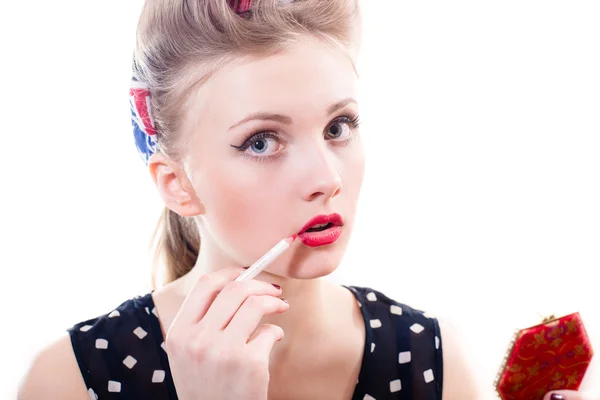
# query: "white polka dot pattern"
375 323
122 354
129 362
144 371
158 376
418 356
139 332
394 309
114 386
404 357
428 375
417 328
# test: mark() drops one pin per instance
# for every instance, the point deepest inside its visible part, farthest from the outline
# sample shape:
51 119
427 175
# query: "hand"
216 350
569 395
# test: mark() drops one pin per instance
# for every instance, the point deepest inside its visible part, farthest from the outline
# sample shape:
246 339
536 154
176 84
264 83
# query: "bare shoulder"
54 374
460 379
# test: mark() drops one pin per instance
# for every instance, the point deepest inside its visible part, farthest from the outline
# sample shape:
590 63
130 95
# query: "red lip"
322 238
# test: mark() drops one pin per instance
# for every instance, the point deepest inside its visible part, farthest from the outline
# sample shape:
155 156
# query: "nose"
322 178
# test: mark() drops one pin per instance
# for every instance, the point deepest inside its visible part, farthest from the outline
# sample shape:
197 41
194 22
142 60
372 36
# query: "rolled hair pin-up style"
180 44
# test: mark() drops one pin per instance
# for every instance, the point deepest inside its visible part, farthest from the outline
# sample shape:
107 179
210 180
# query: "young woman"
247 117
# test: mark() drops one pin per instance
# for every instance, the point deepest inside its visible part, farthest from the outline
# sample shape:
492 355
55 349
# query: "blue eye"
262 144
339 130
259 146
265 146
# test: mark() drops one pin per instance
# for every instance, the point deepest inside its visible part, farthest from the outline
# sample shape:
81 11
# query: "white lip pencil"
265 260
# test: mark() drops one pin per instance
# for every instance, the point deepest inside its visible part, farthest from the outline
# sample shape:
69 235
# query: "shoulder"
69 367
433 341
460 380
404 339
54 374
382 308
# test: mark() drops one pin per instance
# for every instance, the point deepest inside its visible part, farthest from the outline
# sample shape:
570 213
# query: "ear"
174 186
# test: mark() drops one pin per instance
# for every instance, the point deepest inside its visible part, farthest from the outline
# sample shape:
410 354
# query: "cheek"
242 211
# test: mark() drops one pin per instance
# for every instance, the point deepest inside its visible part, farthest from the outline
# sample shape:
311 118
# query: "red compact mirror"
553 355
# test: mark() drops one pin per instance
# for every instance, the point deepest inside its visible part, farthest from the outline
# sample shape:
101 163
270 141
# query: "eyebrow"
284 119
263 116
339 105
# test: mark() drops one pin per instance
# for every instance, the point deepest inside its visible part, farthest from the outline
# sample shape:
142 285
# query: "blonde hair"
180 43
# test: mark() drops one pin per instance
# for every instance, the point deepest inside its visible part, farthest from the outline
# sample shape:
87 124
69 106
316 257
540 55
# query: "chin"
315 263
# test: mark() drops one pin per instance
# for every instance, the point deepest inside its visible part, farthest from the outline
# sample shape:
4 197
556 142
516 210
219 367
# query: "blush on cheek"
243 219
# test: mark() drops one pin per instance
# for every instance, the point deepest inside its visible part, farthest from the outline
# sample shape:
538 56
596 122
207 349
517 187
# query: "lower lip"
322 238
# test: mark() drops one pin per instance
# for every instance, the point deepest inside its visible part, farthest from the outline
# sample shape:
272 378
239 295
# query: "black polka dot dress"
121 355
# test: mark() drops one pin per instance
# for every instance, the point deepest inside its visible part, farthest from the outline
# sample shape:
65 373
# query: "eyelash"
351 119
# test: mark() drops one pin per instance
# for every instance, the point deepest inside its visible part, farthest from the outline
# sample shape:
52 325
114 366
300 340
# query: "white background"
482 193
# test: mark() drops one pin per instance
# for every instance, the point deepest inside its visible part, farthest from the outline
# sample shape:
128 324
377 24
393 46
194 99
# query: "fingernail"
557 397
276 286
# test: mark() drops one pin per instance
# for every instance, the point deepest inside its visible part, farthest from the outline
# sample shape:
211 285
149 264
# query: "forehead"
307 77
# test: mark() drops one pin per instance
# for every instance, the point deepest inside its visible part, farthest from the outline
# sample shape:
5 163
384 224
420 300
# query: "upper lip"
334 219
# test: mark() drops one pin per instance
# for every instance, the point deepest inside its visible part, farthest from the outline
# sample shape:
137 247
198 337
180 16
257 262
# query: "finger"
568 395
231 298
202 295
250 313
265 337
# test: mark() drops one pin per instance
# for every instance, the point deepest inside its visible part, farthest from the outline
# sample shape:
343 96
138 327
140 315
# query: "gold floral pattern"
553 355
